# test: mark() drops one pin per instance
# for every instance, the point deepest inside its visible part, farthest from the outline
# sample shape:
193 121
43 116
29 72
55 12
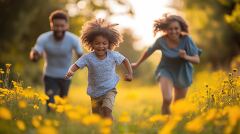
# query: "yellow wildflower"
47 122
158 117
181 107
73 115
52 105
5 114
46 130
59 100
211 115
105 130
60 108
35 122
124 118
22 104
55 123
106 122
91 119
196 125
170 125
36 107
21 125
8 65
234 115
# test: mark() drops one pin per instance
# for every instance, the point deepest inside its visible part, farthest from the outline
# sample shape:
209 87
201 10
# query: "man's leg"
64 87
51 89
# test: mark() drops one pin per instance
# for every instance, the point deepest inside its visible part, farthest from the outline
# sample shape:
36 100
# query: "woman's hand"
193 59
134 65
182 53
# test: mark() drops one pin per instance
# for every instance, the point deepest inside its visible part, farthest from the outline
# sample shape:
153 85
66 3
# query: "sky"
146 11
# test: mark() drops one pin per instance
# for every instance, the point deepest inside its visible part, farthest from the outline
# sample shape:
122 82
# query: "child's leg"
96 106
107 113
108 102
166 88
179 93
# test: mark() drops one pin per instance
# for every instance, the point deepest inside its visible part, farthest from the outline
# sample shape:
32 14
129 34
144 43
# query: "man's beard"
57 37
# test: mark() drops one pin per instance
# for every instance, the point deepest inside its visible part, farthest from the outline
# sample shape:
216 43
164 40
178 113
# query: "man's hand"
34 56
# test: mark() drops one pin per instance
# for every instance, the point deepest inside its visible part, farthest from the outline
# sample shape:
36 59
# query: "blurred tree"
21 24
23 21
215 26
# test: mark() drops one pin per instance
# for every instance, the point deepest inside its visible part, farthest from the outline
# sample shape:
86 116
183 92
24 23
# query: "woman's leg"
166 87
179 93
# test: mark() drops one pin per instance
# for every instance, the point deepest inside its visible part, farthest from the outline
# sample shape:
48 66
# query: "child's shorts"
106 100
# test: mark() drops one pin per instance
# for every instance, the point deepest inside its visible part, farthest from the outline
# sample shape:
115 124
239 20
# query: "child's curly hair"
163 23
97 27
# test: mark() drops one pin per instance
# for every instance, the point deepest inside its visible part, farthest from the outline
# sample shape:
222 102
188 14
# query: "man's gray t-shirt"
57 54
101 73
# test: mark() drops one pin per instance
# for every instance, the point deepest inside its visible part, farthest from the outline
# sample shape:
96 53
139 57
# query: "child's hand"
68 75
182 53
128 77
134 65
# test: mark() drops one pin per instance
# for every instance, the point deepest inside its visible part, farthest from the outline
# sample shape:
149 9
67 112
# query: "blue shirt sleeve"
191 47
81 62
118 57
154 47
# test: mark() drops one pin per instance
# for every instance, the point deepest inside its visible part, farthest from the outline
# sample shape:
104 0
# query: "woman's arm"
193 59
127 65
144 56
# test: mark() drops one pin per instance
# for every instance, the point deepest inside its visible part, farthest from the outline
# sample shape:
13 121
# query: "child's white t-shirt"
102 76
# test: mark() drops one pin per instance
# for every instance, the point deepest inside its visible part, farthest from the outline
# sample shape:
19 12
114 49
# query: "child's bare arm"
193 59
127 65
71 71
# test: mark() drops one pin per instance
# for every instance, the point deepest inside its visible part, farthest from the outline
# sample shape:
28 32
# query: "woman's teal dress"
177 69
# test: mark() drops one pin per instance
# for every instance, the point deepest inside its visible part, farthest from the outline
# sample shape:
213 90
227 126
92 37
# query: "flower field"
212 106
